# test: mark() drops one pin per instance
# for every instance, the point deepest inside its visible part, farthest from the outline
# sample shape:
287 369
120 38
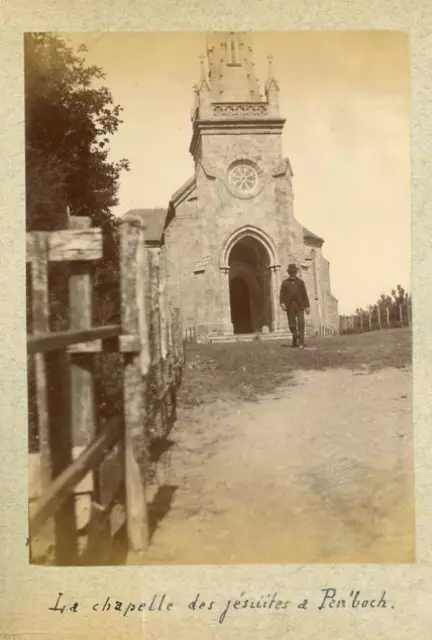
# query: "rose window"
243 178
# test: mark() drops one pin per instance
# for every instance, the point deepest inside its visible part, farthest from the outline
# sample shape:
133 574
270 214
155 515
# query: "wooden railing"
379 317
94 473
324 330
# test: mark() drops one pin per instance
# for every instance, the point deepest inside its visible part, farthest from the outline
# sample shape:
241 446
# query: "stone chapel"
229 232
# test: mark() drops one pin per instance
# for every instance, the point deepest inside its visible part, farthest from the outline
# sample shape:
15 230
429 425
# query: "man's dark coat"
293 293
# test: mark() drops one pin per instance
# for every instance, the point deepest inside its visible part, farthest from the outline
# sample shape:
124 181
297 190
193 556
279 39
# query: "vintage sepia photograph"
219 310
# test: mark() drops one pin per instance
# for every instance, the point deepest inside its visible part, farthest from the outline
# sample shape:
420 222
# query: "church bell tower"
244 202
228 91
233 231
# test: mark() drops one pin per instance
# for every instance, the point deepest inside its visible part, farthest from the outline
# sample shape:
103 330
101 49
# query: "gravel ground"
318 470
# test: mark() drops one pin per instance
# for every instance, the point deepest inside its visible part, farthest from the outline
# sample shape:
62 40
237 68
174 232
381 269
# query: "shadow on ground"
160 506
157 510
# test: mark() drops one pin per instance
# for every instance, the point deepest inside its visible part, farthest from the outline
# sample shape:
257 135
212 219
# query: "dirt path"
319 471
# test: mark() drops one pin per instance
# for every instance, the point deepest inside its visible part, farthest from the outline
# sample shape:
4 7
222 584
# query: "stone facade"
230 231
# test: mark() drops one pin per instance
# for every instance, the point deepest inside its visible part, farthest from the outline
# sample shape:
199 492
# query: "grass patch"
247 370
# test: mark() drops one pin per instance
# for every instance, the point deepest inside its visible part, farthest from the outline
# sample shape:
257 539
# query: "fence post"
180 353
388 316
379 316
370 320
171 346
158 342
84 417
59 411
134 284
164 345
40 318
409 311
400 315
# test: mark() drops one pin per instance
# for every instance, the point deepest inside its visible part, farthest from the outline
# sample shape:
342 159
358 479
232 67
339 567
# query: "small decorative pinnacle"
270 77
202 68
270 69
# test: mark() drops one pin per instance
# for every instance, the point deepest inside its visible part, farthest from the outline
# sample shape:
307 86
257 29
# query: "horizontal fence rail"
45 342
63 486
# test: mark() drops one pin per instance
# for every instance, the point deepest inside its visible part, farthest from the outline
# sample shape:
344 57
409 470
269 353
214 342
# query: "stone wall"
204 223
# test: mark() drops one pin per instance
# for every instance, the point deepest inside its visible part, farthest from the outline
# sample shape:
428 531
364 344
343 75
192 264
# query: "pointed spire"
196 100
202 68
203 81
270 67
272 90
270 77
231 67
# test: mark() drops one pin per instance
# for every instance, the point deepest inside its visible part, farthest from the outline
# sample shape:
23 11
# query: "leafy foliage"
68 124
69 120
387 308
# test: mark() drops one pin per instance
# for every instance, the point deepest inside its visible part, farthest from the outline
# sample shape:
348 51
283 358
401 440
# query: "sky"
346 100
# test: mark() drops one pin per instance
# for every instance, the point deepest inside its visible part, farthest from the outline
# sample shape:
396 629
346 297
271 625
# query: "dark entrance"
250 286
240 306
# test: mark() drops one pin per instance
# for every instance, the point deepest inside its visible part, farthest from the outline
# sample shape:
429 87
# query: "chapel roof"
309 235
154 222
184 190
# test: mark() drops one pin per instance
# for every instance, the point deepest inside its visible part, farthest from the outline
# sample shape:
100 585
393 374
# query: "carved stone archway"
250 254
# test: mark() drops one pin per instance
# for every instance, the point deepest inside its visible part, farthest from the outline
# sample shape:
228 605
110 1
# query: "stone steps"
251 337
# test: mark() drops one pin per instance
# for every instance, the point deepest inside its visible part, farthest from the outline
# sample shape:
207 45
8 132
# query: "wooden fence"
93 472
323 330
379 317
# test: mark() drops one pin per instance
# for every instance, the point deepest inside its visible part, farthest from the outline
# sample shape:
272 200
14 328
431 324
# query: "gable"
185 191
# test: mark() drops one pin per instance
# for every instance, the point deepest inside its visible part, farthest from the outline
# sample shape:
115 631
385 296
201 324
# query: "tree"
387 304
68 124
69 119
385 301
399 294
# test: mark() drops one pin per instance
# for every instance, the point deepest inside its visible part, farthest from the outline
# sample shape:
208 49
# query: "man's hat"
292 268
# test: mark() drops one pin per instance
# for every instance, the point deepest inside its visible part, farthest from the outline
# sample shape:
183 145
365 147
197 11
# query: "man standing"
294 300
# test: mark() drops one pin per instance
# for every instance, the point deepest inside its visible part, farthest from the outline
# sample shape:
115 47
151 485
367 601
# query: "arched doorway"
250 285
240 304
